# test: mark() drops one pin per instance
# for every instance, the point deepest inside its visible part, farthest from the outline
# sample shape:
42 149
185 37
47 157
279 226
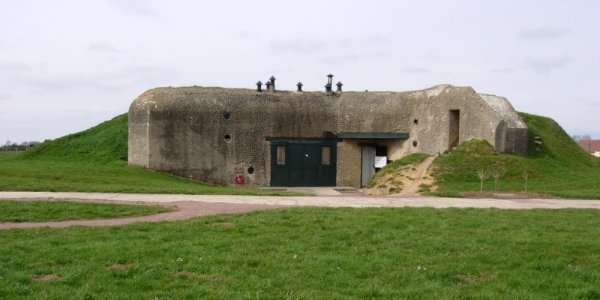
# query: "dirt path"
419 176
186 210
202 205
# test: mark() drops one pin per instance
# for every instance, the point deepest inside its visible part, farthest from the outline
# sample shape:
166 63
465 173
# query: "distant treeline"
14 147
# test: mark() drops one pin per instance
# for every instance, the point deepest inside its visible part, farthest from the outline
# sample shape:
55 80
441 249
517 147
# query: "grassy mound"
555 165
103 143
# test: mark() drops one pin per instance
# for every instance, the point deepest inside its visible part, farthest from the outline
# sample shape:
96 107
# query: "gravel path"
201 205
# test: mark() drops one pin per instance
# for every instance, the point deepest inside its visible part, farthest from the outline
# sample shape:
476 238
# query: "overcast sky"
66 66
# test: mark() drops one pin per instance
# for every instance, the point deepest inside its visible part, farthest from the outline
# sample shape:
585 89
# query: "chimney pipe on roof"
328 85
299 85
259 86
268 86
339 87
272 84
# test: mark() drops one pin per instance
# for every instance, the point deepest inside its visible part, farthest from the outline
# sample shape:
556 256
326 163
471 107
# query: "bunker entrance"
369 152
303 163
454 129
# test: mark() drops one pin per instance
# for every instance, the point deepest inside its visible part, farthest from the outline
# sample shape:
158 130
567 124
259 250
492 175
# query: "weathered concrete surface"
326 201
210 134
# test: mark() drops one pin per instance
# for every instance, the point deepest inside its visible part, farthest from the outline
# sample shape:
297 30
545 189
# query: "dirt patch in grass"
475 278
45 277
184 273
120 266
212 277
222 224
191 275
517 195
405 179
418 175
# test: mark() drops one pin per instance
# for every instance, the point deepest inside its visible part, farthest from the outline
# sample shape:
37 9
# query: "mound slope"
102 143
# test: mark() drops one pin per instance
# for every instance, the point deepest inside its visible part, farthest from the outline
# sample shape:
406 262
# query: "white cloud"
547 64
241 34
56 84
373 40
149 76
134 7
144 76
417 70
377 54
103 47
5 96
502 70
305 46
543 33
339 59
15 67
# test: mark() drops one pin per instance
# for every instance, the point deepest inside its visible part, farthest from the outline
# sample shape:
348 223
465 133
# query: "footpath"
199 205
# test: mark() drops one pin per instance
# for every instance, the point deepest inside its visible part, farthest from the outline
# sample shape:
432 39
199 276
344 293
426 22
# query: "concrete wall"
210 134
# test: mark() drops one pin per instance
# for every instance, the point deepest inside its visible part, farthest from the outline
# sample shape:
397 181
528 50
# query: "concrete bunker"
299 138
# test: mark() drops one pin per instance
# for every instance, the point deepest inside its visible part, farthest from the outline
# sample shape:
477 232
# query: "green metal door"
306 164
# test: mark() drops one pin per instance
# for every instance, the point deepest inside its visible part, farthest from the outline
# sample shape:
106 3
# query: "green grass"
42 211
314 253
17 174
104 143
89 161
557 166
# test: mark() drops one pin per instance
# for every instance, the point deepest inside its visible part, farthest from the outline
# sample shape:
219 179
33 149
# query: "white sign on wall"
380 161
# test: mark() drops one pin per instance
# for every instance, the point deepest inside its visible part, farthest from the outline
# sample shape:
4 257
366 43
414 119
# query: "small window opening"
326 155
227 115
281 155
227 137
414 143
416 121
251 170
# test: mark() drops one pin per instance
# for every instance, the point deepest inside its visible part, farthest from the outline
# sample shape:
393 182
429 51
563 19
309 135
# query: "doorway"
454 129
368 154
367 164
298 163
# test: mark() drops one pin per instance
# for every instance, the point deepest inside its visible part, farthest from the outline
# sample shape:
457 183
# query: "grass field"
42 211
18 174
314 253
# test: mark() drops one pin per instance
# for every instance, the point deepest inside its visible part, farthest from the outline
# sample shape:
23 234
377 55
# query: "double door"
303 164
